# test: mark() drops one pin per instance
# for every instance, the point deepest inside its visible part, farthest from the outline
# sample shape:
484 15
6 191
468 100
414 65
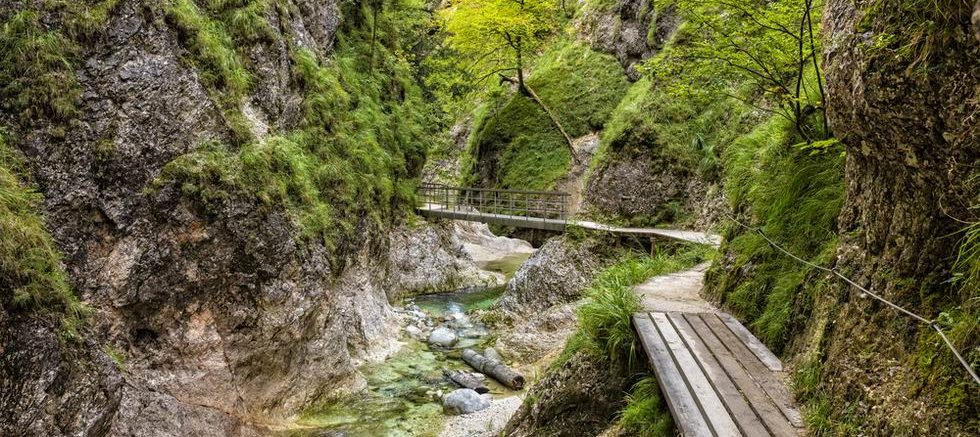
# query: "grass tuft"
30 262
605 321
646 413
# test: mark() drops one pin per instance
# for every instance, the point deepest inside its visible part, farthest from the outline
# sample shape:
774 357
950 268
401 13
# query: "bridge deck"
717 378
559 225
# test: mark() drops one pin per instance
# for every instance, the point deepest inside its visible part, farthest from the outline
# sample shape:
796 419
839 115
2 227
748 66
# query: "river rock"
414 331
465 401
443 336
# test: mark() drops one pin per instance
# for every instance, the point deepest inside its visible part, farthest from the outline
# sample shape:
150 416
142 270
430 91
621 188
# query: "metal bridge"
546 210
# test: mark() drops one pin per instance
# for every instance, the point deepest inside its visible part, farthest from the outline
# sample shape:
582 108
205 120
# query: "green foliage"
214 56
646 413
688 133
30 263
605 321
39 47
355 157
915 31
794 195
491 36
36 74
774 46
117 356
244 19
581 86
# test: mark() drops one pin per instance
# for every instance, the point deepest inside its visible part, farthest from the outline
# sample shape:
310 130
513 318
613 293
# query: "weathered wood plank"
764 407
687 414
760 350
759 372
704 393
745 417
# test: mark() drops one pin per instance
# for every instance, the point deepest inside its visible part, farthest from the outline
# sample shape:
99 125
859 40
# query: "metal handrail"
532 205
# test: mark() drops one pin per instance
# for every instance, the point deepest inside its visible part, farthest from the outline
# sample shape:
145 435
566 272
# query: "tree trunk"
495 369
523 88
466 380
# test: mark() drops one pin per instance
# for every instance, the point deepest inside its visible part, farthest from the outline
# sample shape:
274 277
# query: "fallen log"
466 380
494 369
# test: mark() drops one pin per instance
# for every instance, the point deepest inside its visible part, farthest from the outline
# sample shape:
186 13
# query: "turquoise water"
403 395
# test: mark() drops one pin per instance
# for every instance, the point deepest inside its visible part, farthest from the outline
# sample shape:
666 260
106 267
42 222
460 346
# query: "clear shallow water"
403 395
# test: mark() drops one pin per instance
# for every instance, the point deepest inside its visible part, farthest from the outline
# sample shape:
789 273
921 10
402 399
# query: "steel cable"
931 323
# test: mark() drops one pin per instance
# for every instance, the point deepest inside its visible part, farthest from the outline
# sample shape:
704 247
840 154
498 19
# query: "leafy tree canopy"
493 36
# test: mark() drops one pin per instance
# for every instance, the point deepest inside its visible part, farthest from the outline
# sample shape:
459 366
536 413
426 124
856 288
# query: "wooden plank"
704 393
760 350
759 372
764 407
745 417
687 414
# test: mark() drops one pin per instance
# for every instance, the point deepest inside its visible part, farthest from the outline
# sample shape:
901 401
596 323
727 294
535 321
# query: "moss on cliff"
30 263
793 193
580 85
354 159
40 45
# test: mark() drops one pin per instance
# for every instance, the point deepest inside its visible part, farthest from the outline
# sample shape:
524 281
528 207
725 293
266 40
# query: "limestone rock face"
632 30
222 314
556 274
579 398
52 387
435 257
908 136
533 339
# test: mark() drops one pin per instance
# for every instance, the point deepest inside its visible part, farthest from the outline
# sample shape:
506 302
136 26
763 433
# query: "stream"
404 393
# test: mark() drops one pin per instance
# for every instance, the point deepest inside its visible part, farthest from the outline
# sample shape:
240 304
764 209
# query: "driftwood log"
494 369
466 380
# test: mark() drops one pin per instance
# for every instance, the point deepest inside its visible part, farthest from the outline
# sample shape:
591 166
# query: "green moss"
687 133
117 356
915 32
39 48
36 74
793 193
581 86
352 164
30 263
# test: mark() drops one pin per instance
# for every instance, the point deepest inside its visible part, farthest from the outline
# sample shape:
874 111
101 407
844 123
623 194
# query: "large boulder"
580 397
443 337
465 401
556 274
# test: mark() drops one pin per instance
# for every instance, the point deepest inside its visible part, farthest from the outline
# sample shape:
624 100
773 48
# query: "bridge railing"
517 203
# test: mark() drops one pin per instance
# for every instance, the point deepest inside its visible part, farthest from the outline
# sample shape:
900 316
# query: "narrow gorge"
306 217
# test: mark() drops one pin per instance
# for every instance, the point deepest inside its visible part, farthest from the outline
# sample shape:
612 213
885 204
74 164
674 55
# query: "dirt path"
678 291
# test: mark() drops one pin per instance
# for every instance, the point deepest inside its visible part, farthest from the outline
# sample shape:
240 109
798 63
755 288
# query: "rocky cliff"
908 119
201 188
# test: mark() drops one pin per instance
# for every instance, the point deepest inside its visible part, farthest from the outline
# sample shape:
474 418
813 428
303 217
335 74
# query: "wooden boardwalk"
717 378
